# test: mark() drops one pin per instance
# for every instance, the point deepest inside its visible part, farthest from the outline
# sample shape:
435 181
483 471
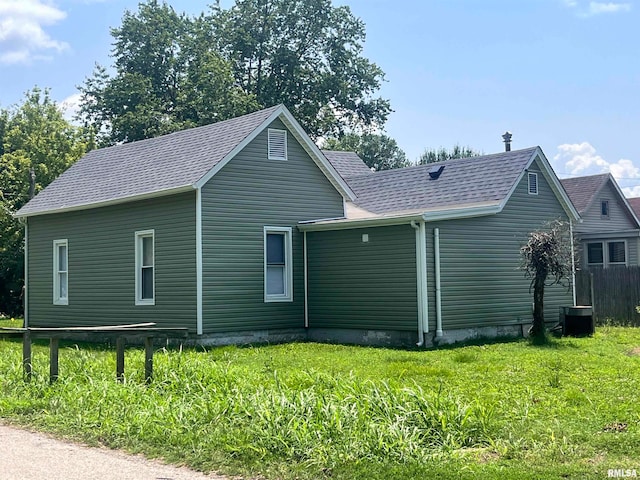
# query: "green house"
245 231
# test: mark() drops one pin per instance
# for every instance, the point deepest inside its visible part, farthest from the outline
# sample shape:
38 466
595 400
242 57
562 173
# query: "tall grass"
307 410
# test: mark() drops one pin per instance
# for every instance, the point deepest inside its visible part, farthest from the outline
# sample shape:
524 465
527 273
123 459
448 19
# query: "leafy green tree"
378 151
546 260
440 155
167 78
306 54
36 145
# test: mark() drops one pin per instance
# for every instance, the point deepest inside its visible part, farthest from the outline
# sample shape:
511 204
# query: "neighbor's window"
604 208
277 147
617 253
533 183
61 272
595 254
145 268
278 268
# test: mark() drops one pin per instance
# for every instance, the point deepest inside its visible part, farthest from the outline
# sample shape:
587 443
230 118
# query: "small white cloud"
584 9
70 106
631 192
597 8
22 35
582 159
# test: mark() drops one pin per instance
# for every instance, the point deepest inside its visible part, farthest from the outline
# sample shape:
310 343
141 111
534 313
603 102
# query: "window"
278 261
533 183
145 268
595 254
60 272
617 253
277 144
604 209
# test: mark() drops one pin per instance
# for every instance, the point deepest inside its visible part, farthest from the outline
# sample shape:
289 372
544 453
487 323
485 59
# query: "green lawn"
504 410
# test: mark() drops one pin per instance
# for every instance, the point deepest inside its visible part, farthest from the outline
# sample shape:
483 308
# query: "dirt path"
26 455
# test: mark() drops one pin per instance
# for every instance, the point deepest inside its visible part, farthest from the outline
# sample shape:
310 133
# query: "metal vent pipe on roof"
507 141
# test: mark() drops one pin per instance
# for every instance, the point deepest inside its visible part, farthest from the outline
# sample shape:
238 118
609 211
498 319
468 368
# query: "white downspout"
199 261
573 265
26 273
436 248
419 283
423 269
306 282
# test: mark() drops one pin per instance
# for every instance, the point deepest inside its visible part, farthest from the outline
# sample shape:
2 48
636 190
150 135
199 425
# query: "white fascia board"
107 203
458 213
554 182
608 235
346 224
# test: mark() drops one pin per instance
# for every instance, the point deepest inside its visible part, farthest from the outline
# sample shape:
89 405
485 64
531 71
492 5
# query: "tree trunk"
538 330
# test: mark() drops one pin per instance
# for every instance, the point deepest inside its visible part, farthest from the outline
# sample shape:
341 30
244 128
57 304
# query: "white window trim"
535 175
288 256
57 299
626 253
274 131
138 277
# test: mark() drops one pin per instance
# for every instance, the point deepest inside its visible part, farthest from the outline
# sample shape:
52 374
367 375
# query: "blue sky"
562 74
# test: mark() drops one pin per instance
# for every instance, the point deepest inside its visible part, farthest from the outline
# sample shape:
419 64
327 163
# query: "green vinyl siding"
247 194
481 283
102 264
372 285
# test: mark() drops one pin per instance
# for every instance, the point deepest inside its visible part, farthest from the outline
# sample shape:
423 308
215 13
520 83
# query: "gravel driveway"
35 456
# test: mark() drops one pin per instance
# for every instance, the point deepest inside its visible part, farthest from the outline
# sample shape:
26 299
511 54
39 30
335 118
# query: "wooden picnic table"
146 332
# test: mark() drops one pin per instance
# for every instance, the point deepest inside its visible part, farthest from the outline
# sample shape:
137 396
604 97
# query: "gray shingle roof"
487 178
634 203
348 164
157 164
582 190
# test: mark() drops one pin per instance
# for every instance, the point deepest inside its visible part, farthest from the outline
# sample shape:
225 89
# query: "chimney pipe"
507 141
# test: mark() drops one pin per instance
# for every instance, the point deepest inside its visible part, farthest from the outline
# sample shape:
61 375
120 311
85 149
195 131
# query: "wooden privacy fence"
614 293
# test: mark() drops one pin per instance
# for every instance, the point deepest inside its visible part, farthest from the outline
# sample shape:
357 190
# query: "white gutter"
419 284
199 261
436 247
306 283
26 273
573 265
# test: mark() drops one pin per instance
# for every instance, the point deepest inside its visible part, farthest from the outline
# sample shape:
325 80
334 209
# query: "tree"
378 151
546 259
168 77
36 145
440 155
306 54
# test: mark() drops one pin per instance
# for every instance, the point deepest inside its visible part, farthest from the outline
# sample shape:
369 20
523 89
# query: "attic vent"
435 172
533 183
277 144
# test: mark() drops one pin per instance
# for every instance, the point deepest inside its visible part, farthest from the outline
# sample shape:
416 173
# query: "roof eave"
107 203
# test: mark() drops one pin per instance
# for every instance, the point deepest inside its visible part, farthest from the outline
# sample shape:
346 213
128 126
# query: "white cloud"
584 9
596 8
582 159
70 106
22 35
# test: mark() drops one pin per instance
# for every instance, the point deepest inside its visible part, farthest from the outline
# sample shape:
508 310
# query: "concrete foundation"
382 338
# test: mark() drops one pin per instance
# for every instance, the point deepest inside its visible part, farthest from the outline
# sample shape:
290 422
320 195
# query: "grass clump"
507 410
